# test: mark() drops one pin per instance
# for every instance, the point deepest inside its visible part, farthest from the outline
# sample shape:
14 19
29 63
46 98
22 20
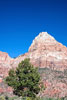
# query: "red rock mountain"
45 51
51 58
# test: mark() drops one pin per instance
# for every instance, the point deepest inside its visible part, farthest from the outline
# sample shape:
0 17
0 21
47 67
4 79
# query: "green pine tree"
24 79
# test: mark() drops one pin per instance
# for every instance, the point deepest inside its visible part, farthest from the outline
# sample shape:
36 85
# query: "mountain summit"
44 39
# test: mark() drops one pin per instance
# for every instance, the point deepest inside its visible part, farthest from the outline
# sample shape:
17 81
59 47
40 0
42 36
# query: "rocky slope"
46 53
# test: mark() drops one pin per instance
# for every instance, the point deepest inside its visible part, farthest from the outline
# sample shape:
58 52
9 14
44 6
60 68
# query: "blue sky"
22 20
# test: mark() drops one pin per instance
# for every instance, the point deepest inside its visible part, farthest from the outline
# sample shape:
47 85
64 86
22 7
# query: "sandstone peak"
42 39
44 36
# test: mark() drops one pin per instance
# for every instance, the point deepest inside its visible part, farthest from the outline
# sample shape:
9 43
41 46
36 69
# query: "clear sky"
22 20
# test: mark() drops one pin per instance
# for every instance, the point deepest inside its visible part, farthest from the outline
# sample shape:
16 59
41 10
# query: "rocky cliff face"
5 64
44 52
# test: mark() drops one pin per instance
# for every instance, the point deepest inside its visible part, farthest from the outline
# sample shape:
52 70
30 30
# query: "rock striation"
50 57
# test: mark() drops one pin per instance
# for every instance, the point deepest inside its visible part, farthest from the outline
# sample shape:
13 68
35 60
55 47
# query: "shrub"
2 98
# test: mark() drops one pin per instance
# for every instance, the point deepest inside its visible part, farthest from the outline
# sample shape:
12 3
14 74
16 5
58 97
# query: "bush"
2 98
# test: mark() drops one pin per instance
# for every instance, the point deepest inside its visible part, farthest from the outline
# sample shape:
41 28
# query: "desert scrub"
2 98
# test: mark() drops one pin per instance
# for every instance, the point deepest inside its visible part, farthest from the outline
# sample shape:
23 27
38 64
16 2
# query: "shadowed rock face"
44 52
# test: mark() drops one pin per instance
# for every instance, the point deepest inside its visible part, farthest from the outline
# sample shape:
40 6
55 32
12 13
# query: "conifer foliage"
24 79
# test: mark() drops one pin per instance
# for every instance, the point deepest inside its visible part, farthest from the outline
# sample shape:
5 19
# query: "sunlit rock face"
42 41
5 64
44 52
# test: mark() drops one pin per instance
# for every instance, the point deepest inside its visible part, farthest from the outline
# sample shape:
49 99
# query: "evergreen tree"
24 79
